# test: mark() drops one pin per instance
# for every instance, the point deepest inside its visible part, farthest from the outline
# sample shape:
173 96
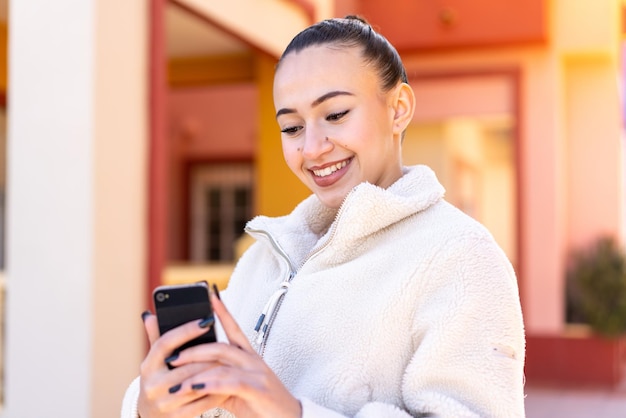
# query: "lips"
330 174
327 171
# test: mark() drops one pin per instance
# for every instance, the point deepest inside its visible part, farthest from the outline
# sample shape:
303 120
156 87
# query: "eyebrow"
317 101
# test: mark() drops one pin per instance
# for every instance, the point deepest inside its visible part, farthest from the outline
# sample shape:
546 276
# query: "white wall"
76 205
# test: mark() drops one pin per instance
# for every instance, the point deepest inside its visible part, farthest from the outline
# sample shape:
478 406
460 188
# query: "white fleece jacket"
399 306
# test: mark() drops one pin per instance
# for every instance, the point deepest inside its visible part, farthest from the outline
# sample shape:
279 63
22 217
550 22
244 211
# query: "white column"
76 205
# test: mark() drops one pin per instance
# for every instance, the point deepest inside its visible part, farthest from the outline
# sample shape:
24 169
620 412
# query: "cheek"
291 154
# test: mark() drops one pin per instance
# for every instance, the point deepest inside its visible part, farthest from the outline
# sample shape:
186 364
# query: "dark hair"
354 31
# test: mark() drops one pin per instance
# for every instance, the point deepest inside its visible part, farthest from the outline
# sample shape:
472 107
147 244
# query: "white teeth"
330 169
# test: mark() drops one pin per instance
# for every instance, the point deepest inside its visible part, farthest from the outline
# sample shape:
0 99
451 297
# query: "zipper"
266 328
268 314
270 311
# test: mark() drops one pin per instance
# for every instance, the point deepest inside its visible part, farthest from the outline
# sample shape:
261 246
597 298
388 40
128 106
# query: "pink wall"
594 174
209 124
215 121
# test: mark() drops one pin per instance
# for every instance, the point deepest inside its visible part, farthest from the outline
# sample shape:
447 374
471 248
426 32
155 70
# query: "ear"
404 107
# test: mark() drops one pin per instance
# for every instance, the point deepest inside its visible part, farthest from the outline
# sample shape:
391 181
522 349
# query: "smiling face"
338 127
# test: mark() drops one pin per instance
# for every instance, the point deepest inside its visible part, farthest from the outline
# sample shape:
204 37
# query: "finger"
218 354
164 346
260 391
234 333
225 381
182 334
172 402
255 389
200 404
164 391
151 326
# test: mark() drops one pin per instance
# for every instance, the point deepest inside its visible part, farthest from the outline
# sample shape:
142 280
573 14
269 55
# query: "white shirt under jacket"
400 306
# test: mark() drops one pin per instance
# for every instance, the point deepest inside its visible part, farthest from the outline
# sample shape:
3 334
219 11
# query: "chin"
330 202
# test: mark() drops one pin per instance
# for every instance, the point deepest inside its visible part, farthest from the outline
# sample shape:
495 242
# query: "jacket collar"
366 210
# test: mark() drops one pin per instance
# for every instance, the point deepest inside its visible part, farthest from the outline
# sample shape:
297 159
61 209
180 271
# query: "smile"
327 171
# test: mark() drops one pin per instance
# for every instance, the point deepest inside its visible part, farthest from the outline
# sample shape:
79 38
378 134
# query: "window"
221 204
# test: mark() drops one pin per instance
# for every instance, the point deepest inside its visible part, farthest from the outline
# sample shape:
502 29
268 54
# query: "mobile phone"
176 305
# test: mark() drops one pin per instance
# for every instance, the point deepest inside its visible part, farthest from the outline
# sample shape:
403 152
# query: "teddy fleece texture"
399 305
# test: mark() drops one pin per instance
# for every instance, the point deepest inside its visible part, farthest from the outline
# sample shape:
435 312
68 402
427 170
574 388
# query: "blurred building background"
137 137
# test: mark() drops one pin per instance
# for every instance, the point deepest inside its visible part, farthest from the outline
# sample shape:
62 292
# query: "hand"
231 376
160 387
235 377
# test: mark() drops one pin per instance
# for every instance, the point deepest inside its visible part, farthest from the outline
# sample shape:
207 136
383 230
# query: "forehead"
318 69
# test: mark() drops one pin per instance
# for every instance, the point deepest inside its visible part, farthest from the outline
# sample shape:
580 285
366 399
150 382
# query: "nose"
316 144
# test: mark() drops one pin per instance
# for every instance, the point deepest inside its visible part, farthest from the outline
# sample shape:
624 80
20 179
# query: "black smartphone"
178 304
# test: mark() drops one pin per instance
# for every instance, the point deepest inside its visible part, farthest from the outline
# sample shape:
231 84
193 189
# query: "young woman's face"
337 126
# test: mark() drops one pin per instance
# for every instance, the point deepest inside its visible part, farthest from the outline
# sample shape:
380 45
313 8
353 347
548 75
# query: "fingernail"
216 291
144 315
171 358
207 322
197 386
175 388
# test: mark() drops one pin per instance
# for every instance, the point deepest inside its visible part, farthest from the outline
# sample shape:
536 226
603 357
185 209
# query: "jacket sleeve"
470 354
129 404
374 409
469 341
379 409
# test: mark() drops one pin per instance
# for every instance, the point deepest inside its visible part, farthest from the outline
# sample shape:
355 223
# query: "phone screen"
178 304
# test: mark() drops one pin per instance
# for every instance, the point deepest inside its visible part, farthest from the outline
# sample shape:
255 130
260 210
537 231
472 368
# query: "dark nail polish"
216 291
171 358
144 315
197 386
207 322
175 388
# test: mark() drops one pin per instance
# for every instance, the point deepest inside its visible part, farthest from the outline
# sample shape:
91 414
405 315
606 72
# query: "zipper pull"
268 311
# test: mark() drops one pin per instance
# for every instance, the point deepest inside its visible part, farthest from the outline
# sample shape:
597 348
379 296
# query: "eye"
336 116
291 130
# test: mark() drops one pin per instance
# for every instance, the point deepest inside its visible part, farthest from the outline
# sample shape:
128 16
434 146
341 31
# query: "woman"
374 297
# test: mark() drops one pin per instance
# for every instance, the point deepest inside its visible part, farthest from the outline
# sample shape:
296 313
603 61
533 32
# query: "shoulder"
443 225
458 249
